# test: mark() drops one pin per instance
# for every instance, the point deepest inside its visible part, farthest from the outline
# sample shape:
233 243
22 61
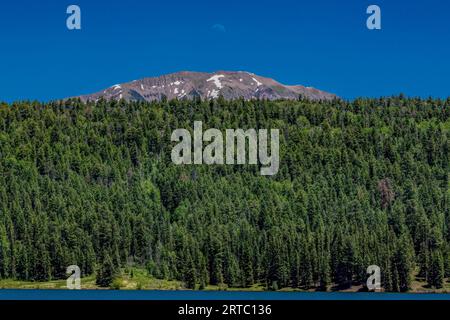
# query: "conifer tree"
106 272
435 275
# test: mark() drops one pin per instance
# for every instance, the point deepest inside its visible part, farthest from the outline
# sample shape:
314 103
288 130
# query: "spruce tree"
106 272
435 276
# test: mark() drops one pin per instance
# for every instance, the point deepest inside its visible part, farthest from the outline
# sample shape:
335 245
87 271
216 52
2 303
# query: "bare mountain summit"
188 85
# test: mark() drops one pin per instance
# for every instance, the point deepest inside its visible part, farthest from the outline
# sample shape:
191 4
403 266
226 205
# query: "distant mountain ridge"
188 85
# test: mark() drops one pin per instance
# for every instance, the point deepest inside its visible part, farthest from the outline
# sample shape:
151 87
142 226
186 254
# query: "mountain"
188 85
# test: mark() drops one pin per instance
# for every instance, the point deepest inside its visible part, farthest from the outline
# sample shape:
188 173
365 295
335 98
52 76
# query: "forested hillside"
360 183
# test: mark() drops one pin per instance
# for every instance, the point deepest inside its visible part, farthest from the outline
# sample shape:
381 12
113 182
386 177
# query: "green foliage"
360 183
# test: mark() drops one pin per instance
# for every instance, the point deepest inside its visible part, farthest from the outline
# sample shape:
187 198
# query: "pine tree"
404 263
435 276
106 272
5 255
190 274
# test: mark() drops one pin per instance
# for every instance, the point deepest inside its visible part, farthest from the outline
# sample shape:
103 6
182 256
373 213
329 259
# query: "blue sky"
320 43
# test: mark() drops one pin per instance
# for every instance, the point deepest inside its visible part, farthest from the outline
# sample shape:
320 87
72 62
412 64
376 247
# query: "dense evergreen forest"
360 183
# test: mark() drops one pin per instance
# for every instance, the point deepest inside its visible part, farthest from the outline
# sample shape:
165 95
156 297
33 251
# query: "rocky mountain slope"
188 85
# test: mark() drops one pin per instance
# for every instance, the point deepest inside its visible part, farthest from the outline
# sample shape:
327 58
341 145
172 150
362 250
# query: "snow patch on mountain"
257 82
216 79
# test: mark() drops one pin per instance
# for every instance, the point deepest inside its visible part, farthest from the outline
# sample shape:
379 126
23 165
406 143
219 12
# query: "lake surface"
98 295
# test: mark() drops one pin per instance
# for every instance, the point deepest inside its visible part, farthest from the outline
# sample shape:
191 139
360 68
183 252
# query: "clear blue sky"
320 43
